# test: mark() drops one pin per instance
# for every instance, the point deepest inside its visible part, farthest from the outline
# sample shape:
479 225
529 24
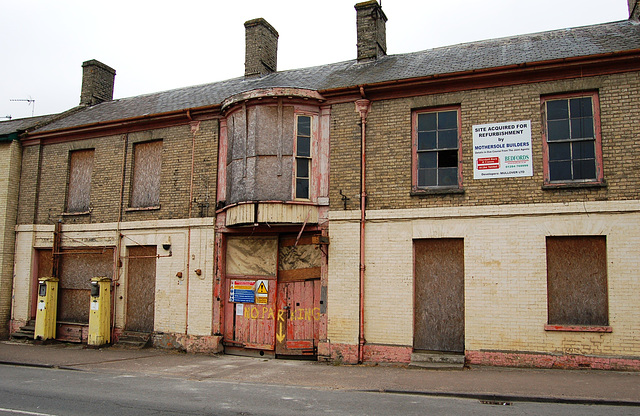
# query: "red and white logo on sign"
488 163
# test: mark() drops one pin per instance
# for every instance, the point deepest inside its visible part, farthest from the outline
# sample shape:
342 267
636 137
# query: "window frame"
70 177
132 187
597 132
415 188
308 158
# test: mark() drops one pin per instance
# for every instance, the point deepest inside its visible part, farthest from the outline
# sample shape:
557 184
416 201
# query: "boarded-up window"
145 186
252 256
79 188
577 280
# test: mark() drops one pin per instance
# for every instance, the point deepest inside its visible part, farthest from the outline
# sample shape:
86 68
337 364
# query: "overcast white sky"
160 45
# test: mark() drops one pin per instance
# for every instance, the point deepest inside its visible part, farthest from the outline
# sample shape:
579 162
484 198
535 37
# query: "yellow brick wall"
9 182
389 138
50 185
170 291
505 274
343 283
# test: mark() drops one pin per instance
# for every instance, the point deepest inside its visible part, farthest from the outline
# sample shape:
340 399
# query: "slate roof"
21 124
543 46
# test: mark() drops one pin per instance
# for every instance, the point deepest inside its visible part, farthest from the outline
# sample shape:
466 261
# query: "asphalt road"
55 392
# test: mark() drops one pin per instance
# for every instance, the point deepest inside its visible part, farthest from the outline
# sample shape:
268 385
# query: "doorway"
439 295
141 287
272 289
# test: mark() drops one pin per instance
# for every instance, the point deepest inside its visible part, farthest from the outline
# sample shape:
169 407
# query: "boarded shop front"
272 302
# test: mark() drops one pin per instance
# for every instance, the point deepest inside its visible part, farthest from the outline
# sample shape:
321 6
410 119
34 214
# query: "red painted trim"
122 126
313 152
223 148
561 361
273 93
525 73
387 354
414 147
323 159
597 132
578 328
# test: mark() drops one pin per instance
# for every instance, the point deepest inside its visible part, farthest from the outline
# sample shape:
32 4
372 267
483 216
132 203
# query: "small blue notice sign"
242 291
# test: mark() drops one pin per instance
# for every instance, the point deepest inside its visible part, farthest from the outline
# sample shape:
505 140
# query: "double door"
272 301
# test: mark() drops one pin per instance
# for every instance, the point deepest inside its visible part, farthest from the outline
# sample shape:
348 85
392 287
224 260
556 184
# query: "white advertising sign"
502 150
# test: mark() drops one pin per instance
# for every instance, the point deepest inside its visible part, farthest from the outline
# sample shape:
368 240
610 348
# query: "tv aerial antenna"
30 101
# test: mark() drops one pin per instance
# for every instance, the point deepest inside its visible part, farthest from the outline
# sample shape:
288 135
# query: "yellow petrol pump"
47 308
100 313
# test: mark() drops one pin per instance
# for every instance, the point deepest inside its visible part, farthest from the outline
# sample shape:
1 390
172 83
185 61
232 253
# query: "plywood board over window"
79 186
145 185
577 281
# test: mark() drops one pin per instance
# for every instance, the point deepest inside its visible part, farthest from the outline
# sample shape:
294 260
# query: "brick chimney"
97 83
261 53
634 9
372 37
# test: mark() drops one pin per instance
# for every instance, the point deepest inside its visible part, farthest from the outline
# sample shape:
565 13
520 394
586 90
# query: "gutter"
126 125
615 62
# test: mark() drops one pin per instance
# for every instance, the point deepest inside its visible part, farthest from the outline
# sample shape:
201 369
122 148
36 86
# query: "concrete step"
437 360
130 339
22 334
25 331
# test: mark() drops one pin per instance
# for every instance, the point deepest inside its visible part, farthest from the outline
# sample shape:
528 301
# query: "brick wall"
28 185
344 173
46 201
261 48
505 275
176 277
389 146
371 24
504 223
9 174
97 83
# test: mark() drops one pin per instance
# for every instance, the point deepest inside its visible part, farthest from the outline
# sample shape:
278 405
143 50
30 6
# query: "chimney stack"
97 83
372 38
634 9
261 53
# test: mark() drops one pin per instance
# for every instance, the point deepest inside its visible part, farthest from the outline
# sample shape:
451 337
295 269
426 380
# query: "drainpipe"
195 127
362 107
117 257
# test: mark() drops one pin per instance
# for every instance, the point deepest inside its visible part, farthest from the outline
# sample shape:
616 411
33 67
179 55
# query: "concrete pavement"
484 383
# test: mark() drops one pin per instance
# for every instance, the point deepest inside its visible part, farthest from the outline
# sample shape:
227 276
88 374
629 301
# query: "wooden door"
298 296
250 325
249 321
141 287
298 317
439 295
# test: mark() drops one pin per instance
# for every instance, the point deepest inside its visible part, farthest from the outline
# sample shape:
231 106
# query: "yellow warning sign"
262 292
262 289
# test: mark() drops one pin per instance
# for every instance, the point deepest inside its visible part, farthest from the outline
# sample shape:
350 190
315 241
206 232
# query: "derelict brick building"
479 200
